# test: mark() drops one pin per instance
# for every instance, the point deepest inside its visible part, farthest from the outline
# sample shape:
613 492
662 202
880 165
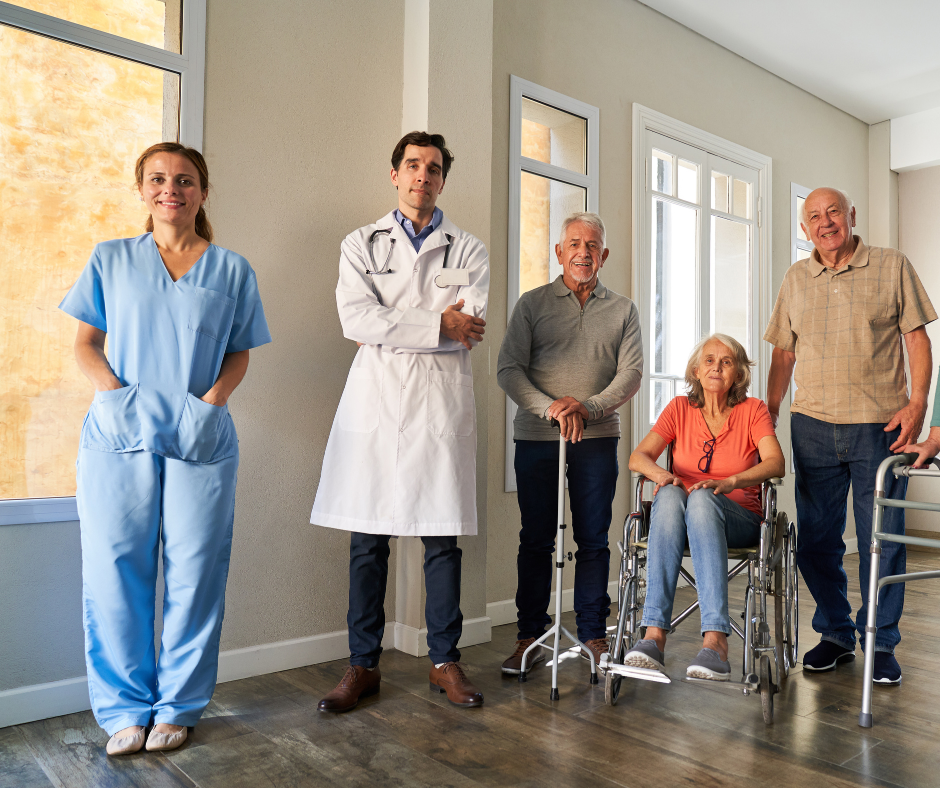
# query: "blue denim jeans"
711 523
368 576
828 458
592 481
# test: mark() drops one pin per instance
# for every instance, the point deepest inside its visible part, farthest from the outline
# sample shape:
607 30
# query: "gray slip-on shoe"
709 665
646 654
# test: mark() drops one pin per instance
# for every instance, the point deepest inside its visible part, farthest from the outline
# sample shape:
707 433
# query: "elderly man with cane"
572 353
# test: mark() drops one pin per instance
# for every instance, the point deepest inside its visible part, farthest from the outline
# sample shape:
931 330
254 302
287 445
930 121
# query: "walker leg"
864 717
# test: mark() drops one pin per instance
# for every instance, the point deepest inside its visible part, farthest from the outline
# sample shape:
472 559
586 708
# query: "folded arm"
367 321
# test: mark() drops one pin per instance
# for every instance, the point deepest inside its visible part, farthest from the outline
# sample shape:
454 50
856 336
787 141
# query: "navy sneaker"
887 670
826 656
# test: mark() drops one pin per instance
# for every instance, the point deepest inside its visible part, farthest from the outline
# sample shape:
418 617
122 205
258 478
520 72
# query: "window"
88 86
800 246
553 171
701 252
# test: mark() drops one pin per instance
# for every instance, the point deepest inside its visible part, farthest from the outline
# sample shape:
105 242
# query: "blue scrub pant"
123 499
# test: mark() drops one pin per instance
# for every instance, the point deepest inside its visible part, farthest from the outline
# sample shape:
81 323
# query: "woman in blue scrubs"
158 456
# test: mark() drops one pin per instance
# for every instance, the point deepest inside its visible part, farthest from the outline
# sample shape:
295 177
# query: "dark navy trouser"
592 481
368 577
829 457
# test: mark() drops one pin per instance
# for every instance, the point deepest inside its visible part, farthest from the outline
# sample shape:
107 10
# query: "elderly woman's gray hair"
844 199
742 366
590 219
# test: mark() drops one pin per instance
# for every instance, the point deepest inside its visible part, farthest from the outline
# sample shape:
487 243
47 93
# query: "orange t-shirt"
735 445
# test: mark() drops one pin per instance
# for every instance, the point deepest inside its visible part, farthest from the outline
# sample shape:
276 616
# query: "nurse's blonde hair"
742 368
203 228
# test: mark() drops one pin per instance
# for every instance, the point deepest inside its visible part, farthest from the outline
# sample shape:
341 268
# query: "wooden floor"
265 731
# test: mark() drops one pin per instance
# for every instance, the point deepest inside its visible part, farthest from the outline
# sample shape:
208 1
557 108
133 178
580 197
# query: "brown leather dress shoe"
598 647
450 678
357 682
513 665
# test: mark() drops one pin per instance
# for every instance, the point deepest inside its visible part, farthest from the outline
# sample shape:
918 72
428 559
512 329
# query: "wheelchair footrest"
753 684
645 674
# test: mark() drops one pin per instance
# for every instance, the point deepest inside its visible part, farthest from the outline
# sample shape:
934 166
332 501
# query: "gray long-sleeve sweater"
553 348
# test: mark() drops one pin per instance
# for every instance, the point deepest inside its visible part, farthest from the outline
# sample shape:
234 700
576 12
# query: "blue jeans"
592 482
368 576
711 523
827 458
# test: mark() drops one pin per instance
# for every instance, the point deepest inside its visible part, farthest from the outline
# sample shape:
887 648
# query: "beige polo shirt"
845 327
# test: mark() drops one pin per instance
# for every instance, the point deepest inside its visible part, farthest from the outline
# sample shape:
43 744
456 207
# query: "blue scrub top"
166 341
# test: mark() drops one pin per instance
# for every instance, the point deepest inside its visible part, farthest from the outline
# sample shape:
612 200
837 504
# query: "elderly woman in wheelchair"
723 448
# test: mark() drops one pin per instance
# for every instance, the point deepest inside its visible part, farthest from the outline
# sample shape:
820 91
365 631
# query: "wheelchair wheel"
766 689
781 579
791 613
612 689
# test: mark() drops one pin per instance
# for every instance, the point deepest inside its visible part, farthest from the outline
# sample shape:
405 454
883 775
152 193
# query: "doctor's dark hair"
203 228
423 140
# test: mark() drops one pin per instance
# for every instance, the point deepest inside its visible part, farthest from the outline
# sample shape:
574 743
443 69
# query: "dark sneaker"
708 664
646 654
513 665
826 655
887 669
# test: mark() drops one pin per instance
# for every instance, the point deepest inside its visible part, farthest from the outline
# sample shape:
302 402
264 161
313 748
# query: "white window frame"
646 119
519 89
191 67
797 244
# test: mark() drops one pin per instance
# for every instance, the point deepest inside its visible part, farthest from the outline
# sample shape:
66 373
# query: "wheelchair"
771 574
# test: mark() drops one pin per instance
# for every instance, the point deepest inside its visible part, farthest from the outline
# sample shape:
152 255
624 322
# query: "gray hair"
590 219
844 199
742 365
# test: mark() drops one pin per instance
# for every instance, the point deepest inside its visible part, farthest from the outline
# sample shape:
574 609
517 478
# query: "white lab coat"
401 458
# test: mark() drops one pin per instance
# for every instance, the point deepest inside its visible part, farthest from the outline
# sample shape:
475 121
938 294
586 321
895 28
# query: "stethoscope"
385 269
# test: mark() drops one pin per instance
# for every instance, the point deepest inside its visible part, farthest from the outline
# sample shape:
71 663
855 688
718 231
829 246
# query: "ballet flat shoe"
158 742
126 744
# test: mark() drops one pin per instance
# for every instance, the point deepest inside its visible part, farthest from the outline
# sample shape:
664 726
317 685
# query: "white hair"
844 199
590 219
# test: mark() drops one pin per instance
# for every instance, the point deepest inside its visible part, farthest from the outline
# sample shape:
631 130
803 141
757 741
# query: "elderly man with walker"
573 354
401 456
839 318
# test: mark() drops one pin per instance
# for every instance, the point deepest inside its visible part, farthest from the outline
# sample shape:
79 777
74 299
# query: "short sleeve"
761 425
779 332
85 301
667 425
914 307
249 326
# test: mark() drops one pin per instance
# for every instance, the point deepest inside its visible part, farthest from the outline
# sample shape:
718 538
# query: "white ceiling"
875 59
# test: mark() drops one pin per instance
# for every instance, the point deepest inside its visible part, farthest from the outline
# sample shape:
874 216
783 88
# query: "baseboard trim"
41 701
414 641
504 611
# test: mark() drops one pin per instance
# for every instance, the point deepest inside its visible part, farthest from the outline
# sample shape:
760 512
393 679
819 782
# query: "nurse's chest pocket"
450 403
211 314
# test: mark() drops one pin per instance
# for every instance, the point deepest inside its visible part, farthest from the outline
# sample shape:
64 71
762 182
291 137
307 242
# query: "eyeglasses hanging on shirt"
709 448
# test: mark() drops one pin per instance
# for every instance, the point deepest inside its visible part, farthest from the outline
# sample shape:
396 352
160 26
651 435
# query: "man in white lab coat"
401 457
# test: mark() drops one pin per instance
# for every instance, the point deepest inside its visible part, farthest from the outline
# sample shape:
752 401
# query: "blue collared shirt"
418 239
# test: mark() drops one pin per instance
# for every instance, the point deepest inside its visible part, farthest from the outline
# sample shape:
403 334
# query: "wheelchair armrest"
776 481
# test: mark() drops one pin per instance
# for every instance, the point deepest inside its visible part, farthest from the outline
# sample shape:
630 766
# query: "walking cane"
557 629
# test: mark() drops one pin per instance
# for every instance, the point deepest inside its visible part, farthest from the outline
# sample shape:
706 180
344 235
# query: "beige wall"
633 54
919 239
303 106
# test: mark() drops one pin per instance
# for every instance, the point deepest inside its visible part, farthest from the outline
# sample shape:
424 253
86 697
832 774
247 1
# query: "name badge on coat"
450 277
